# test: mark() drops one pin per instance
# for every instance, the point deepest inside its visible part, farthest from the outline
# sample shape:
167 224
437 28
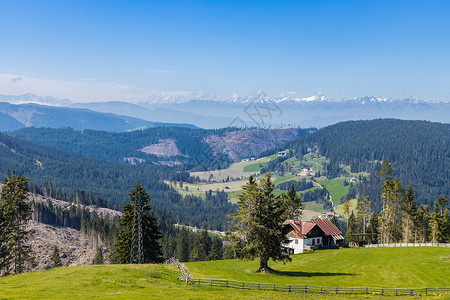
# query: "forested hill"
418 151
113 181
189 148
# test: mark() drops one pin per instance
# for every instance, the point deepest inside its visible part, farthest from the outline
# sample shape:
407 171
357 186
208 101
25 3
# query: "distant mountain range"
283 111
14 117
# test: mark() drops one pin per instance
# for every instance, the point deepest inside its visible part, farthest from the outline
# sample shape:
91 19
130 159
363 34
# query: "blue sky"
133 50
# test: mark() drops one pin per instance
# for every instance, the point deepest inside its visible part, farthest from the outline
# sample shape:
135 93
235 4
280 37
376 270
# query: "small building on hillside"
281 153
330 215
311 234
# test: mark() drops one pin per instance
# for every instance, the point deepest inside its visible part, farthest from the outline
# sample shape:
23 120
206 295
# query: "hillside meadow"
376 267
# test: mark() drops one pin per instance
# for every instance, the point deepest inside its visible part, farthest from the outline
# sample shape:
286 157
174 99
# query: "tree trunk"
263 267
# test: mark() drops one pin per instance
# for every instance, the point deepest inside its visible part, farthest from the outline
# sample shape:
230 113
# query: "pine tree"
346 208
363 209
151 248
216 249
441 220
182 250
351 229
373 228
409 216
202 247
423 222
391 195
56 258
98 258
16 213
257 229
294 205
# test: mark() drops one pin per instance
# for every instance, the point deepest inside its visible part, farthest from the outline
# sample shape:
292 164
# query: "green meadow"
377 267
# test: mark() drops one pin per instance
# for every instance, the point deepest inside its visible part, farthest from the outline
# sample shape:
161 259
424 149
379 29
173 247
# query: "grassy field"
361 267
377 267
336 188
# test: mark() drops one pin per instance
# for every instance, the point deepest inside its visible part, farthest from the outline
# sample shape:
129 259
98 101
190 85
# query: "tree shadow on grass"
311 274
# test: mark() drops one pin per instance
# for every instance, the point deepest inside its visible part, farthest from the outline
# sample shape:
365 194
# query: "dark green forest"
112 181
418 151
196 154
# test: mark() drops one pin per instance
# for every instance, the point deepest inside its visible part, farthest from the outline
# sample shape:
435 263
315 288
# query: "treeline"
187 245
68 172
298 185
400 219
92 226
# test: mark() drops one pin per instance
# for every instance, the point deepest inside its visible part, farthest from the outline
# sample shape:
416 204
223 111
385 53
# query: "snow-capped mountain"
260 110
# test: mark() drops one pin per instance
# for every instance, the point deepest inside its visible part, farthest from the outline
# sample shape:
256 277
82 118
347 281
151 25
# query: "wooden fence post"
306 288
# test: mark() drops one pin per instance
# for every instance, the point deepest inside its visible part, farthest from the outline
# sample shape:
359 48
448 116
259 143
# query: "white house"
310 234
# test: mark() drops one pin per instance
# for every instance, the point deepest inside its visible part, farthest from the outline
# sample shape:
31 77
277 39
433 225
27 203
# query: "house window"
313 242
296 241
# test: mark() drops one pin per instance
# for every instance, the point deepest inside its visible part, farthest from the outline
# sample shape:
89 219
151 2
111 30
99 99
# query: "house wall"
297 246
317 241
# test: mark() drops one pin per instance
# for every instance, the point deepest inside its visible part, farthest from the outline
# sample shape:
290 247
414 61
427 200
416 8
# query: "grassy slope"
375 267
336 188
401 267
126 282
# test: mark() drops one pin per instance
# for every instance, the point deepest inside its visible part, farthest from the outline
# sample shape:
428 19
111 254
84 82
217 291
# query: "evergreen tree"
346 208
257 229
294 205
423 222
16 214
409 216
151 248
182 251
216 249
351 229
363 209
373 228
391 195
56 258
98 258
441 220
202 247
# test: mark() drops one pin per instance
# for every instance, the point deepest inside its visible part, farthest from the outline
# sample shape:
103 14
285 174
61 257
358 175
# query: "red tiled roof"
302 228
306 227
327 227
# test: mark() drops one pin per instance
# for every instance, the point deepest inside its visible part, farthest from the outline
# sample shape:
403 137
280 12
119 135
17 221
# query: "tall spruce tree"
363 209
409 216
202 247
441 220
151 248
182 250
257 228
392 197
16 213
98 258
423 222
56 258
294 205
